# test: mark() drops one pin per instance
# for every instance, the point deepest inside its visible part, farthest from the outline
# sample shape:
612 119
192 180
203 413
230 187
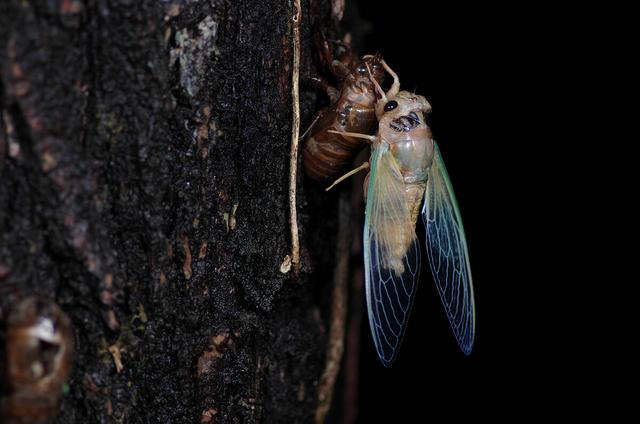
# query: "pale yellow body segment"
401 176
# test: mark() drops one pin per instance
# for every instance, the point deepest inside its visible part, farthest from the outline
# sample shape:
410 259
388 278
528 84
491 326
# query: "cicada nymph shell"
326 154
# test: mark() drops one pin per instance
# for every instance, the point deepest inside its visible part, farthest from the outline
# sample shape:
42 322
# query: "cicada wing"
448 254
391 255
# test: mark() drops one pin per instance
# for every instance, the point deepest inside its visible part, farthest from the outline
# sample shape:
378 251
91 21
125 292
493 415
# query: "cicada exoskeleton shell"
325 154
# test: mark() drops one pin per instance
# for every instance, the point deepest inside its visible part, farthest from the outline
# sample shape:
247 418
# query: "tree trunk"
144 159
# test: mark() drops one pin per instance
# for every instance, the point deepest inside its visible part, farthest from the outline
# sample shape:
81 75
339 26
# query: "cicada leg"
323 84
339 69
395 87
313 124
338 65
370 138
348 174
365 187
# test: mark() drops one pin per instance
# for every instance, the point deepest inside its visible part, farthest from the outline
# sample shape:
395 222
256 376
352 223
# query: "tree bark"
144 159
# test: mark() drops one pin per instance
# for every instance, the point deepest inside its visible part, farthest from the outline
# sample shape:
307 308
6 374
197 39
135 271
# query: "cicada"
408 178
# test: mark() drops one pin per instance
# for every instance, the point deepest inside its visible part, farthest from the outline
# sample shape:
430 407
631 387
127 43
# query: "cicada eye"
390 105
362 69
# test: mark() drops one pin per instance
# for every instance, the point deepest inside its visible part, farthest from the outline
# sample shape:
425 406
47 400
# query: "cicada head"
405 112
374 62
404 127
359 87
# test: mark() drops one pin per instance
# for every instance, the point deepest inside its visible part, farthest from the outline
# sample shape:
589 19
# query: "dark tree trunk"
144 156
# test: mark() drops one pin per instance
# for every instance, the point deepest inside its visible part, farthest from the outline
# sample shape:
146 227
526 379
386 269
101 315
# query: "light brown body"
401 173
326 153
411 146
406 167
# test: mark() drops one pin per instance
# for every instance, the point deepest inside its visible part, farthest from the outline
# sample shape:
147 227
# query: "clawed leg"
348 174
313 124
323 84
393 91
343 51
395 87
339 69
323 46
338 65
344 57
379 89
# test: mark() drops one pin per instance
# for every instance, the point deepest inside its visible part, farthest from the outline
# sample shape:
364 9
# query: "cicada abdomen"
325 154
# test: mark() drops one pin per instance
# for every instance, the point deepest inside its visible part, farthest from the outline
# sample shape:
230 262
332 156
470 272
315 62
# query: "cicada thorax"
326 154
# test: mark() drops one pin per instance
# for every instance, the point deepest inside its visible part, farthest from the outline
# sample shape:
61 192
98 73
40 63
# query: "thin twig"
293 166
335 347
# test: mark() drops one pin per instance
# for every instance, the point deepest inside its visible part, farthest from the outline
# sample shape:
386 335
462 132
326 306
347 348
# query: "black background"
482 73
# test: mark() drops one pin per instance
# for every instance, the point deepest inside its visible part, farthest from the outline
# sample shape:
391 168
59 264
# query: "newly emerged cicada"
407 177
326 153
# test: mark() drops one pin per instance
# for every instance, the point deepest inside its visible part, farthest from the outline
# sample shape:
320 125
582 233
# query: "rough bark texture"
143 186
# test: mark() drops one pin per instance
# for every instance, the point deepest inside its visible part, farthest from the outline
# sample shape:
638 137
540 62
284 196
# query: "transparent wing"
391 255
448 255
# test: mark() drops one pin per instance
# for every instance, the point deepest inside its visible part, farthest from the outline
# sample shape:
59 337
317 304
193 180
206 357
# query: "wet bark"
144 151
